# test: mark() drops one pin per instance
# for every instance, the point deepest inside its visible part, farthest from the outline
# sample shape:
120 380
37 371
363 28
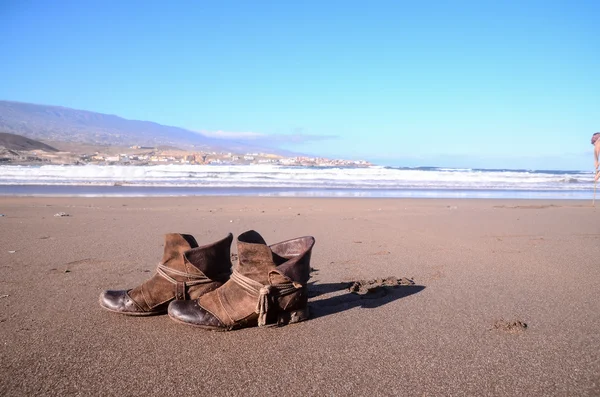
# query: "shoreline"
174 191
232 201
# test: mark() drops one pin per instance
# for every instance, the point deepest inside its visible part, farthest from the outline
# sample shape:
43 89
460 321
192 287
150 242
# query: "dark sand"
487 267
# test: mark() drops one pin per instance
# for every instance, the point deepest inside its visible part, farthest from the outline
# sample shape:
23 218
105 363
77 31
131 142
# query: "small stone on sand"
512 327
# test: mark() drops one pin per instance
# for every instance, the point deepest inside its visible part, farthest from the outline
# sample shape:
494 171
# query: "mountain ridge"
59 123
18 142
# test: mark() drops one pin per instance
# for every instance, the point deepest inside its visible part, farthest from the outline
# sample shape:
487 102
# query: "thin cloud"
266 138
300 138
233 135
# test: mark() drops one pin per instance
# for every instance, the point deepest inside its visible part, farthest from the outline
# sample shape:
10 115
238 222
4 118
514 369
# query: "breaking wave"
271 176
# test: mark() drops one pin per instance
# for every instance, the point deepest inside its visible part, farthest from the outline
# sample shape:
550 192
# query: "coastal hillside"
21 143
61 124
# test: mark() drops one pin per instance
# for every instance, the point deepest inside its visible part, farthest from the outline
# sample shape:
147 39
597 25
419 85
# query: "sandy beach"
506 299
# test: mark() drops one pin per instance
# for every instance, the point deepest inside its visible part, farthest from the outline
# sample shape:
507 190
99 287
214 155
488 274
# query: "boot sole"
133 314
283 318
292 317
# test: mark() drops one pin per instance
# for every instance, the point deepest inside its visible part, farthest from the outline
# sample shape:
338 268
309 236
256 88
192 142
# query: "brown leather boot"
268 286
186 272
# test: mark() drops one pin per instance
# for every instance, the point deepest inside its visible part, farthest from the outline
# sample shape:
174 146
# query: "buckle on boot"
180 288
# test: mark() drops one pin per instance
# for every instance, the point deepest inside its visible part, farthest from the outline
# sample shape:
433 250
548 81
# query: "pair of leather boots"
195 284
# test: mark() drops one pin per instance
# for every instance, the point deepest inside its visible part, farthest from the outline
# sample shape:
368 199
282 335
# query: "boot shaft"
255 259
212 260
290 259
293 258
175 245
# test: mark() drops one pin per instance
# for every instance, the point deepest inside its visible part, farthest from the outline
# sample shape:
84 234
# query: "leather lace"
196 278
264 293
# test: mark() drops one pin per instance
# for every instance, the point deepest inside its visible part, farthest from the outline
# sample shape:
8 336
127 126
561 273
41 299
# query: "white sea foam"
270 176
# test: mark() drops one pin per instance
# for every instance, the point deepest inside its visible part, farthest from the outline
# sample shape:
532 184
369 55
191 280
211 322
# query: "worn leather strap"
264 293
180 288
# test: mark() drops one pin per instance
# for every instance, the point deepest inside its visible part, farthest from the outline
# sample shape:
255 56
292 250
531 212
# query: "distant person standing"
596 143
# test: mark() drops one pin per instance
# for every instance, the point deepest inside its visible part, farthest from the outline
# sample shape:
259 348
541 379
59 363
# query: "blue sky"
448 83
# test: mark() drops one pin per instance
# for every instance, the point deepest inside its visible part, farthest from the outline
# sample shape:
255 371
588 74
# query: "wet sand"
506 299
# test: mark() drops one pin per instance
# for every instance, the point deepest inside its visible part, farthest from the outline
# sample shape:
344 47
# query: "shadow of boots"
341 301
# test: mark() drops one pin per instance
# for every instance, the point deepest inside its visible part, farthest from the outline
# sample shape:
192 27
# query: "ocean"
292 181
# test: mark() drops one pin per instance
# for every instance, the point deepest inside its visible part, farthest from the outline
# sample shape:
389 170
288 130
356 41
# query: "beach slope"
506 299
